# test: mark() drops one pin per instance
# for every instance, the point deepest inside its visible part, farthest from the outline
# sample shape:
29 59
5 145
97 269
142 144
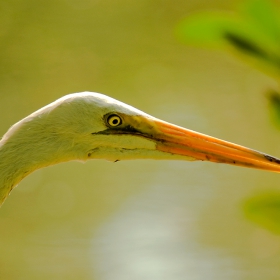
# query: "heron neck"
20 155
15 164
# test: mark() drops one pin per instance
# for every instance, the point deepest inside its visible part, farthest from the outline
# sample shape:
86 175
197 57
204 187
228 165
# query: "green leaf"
274 106
264 210
245 45
219 29
206 28
265 16
253 35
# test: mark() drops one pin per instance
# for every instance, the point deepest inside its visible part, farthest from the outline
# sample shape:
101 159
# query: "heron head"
87 125
99 127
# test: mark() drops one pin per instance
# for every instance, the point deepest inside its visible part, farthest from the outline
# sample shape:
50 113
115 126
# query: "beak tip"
272 159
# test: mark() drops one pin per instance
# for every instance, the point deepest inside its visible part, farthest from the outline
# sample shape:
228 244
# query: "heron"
88 125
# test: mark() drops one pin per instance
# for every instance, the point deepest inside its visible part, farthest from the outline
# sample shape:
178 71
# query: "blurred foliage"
253 34
264 210
274 103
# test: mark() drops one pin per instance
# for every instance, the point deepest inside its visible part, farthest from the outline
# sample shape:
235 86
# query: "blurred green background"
139 219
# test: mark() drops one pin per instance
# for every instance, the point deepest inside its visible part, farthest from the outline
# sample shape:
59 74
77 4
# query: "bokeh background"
139 219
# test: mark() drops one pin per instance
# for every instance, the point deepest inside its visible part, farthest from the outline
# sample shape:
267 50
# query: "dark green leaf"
244 45
274 105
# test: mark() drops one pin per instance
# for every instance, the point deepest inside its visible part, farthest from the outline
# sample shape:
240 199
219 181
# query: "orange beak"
180 141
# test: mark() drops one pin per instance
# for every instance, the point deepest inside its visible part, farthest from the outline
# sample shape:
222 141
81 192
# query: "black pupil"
115 121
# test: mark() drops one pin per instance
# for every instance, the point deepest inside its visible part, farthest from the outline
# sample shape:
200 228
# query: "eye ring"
114 120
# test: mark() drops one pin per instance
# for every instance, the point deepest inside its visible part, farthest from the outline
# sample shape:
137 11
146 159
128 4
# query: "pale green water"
140 219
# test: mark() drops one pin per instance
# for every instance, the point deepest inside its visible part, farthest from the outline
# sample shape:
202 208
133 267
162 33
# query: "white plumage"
87 125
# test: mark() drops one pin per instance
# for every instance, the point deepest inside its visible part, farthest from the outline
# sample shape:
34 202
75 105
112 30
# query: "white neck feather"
14 166
28 146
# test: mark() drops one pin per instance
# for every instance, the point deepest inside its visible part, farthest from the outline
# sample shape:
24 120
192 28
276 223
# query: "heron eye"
114 120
